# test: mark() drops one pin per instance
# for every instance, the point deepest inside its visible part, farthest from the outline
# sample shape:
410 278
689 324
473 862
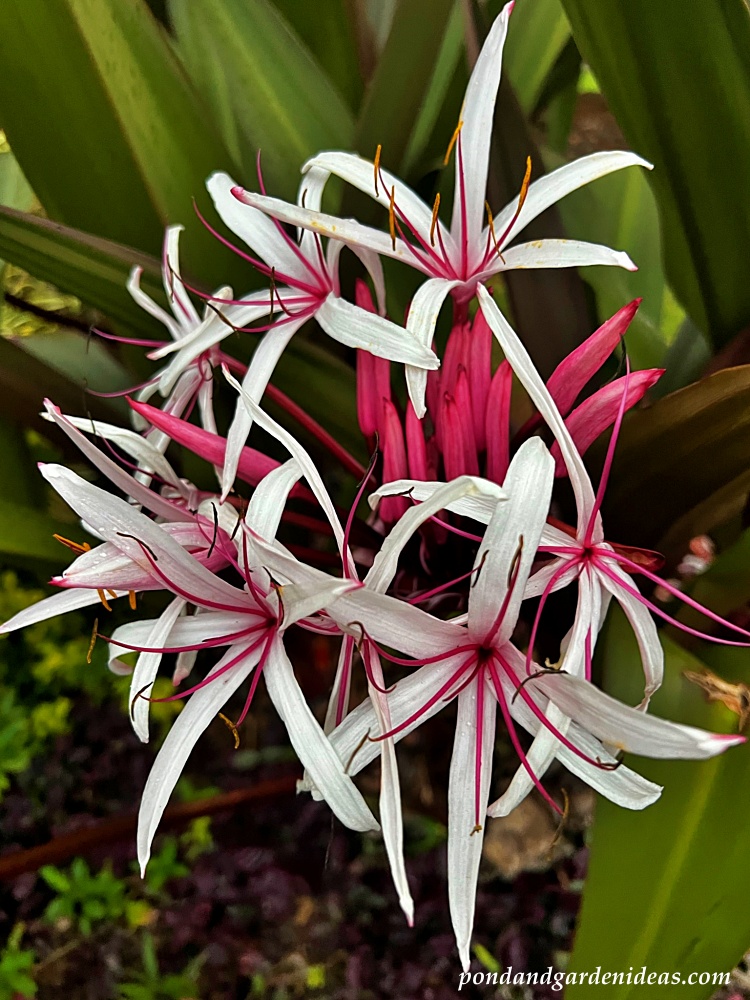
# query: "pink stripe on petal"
599 411
498 423
572 374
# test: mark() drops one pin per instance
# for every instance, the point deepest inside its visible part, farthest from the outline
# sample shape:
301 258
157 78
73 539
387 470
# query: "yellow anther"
452 143
376 166
77 547
103 599
131 600
435 208
477 829
94 634
392 216
232 728
524 186
112 593
491 224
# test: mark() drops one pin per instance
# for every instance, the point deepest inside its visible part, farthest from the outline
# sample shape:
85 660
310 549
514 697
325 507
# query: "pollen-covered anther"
77 547
92 642
452 143
132 600
103 599
435 209
232 729
376 167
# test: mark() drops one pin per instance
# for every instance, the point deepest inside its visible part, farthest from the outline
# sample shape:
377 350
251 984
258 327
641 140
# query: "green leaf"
104 123
666 77
401 80
675 876
26 534
682 461
327 29
620 211
537 35
91 268
265 88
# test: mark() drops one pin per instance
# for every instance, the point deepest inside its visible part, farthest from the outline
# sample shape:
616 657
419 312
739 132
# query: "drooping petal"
148 305
572 374
468 794
643 625
201 709
479 502
551 188
599 411
522 365
352 326
475 138
510 543
300 600
269 499
626 728
147 665
423 313
312 746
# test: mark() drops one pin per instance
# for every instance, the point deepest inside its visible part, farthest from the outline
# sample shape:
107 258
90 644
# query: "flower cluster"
440 591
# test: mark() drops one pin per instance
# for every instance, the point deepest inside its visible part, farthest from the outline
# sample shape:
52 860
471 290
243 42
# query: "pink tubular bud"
480 375
394 461
498 423
571 375
599 411
463 402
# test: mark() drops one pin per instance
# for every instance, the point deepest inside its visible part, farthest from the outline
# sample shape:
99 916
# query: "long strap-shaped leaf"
105 125
677 76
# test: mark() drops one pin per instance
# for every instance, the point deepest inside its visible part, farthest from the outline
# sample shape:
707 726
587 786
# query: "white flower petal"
312 746
147 666
480 505
50 607
644 628
553 187
269 499
510 543
423 314
300 600
385 564
202 707
148 305
529 377
558 253
260 233
465 821
176 293
355 327
476 134
254 383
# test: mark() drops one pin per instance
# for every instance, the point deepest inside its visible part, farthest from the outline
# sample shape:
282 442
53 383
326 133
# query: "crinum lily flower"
189 375
107 571
470 251
249 621
479 666
305 286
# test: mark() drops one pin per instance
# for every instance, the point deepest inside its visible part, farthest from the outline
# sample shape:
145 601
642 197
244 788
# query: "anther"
452 143
356 750
103 599
77 547
477 829
376 166
131 600
232 729
435 208
92 643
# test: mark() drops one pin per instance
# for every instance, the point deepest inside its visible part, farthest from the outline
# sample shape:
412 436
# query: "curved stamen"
604 478
549 588
212 677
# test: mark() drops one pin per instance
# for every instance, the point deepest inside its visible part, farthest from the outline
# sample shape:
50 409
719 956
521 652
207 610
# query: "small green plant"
15 966
164 865
84 898
150 984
